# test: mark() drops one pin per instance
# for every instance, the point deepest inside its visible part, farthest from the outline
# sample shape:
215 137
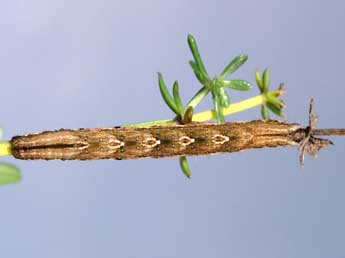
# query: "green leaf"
217 107
198 97
166 95
265 80
223 97
238 85
233 65
195 52
264 112
277 111
259 80
177 98
197 73
9 174
274 101
185 167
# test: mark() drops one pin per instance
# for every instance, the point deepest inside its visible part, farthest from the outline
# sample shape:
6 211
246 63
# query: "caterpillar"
123 143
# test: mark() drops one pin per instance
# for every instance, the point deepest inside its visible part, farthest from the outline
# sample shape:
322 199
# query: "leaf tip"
185 167
9 174
190 37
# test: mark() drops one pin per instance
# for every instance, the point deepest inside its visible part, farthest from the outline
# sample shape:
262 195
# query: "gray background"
71 64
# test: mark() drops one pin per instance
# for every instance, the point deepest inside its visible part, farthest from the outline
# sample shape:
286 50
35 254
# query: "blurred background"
71 64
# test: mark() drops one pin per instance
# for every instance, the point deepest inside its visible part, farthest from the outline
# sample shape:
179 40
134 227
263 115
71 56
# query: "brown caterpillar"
157 141
171 141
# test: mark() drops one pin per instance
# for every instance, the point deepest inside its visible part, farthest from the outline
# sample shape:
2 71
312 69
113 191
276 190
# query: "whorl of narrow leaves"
221 98
217 86
272 103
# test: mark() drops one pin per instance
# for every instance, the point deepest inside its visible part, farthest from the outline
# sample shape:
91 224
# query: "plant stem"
339 132
5 148
152 123
232 109
209 114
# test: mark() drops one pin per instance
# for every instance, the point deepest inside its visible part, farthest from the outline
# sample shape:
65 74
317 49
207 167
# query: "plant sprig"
222 105
217 86
271 100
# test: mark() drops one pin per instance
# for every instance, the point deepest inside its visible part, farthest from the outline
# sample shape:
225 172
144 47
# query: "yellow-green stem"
5 148
232 109
209 114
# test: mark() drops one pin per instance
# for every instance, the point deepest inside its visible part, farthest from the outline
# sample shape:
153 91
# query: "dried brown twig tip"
304 146
281 89
310 144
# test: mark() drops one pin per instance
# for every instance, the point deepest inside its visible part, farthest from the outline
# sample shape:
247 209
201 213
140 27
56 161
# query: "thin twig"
339 132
